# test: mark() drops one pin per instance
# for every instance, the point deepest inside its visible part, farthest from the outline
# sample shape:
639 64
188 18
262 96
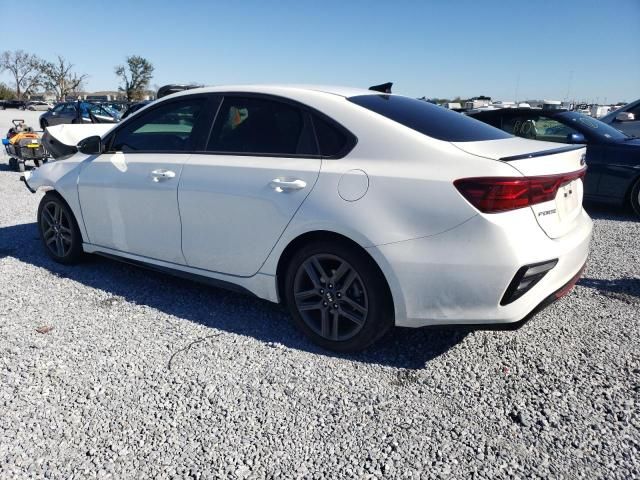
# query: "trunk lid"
540 159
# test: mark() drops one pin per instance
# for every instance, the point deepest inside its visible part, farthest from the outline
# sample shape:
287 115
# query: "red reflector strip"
569 286
501 194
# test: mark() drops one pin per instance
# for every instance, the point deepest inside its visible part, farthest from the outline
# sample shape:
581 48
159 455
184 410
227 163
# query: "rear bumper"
460 276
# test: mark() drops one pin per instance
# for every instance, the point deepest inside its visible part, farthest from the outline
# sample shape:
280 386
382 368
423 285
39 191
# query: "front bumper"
460 276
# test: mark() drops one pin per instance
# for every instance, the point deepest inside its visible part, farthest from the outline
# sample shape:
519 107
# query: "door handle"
162 174
285 185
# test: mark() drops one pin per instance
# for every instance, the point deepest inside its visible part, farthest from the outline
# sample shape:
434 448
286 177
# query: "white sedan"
358 210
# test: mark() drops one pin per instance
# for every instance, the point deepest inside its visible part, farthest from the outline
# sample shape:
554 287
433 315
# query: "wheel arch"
325 235
635 181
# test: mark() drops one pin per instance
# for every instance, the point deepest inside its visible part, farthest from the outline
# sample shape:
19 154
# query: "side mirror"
49 109
91 145
576 138
625 117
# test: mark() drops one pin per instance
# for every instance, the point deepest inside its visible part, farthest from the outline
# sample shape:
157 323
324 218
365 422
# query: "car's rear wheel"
338 296
59 230
635 198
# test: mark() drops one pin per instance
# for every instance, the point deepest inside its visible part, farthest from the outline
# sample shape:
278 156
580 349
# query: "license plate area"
568 200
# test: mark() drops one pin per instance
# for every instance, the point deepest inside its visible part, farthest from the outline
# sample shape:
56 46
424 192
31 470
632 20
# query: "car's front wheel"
338 296
59 230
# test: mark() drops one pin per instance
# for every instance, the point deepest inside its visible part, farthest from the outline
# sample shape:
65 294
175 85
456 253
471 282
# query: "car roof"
279 89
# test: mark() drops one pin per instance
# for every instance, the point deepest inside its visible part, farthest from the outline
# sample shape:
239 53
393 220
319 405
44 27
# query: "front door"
129 194
237 199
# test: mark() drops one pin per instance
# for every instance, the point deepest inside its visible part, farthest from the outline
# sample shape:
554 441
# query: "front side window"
58 108
429 119
259 126
168 128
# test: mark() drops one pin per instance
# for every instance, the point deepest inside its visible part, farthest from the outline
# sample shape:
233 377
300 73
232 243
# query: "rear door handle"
286 185
162 175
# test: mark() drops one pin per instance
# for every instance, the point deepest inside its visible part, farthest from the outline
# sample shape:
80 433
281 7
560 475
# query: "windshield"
429 119
592 127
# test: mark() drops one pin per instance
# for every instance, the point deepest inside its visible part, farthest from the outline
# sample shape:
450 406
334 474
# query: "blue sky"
433 48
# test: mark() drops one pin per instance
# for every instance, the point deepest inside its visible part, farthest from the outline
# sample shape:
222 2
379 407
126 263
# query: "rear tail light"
500 194
525 279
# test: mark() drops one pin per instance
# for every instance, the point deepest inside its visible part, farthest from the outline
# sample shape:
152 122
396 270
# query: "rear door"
539 159
237 197
129 193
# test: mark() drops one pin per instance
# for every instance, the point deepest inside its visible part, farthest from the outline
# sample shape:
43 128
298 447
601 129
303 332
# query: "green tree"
58 78
135 77
6 93
25 68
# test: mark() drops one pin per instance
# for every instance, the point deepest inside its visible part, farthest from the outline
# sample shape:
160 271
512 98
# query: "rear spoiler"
542 153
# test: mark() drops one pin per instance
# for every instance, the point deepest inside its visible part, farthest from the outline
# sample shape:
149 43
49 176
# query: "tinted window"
259 126
429 119
592 127
167 128
538 127
331 140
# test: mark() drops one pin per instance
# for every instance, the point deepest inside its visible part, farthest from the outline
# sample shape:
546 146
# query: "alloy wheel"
331 297
56 229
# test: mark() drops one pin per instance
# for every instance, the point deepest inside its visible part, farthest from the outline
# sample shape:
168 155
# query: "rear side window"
331 140
429 119
250 125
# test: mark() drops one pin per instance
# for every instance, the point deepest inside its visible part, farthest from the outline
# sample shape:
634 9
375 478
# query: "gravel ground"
146 376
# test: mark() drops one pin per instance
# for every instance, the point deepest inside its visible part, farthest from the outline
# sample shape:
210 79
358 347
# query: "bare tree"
25 69
135 76
59 78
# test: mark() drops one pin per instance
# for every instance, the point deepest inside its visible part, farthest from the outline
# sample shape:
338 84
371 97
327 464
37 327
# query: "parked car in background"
14 103
357 209
134 107
613 158
78 112
625 119
38 105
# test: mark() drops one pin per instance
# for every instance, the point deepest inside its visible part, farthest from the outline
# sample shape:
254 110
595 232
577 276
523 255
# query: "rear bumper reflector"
525 279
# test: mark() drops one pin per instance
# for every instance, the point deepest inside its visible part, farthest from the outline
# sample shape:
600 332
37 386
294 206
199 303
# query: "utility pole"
566 97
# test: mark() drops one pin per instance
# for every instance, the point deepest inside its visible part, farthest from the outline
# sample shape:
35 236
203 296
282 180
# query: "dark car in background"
134 107
13 104
613 158
625 119
78 112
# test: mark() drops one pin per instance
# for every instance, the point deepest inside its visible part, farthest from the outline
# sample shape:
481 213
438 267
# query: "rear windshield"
429 119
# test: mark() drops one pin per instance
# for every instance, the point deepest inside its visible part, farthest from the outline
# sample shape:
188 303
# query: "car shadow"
607 212
621 288
221 309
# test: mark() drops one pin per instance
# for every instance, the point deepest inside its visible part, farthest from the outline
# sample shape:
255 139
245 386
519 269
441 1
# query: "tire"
338 296
37 163
20 165
635 198
43 124
59 230
13 163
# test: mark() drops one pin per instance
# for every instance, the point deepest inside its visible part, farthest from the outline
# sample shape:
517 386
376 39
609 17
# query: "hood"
61 140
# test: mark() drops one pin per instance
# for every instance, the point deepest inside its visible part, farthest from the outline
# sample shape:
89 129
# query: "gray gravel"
146 376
